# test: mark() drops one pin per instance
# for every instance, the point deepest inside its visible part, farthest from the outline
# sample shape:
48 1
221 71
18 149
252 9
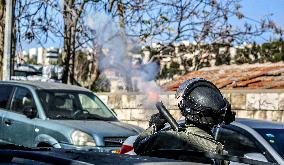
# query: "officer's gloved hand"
158 121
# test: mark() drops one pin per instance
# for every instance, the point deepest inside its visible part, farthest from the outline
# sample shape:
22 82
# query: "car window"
93 105
22 98
73 105
5 93
235 143
275 137
65 101
59 104
87 102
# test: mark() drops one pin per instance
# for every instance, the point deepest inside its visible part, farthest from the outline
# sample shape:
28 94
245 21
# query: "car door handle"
8 122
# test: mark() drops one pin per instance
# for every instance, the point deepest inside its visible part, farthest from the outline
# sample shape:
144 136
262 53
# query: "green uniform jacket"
193 138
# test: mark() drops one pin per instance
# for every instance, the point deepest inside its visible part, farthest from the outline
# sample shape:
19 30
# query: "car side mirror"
29 111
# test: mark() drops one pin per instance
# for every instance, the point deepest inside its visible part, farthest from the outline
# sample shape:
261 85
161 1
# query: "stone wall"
259 104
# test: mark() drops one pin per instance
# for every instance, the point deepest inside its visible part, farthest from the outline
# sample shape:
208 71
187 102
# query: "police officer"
204 108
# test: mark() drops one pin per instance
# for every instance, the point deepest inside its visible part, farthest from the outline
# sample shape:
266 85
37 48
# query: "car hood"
102 128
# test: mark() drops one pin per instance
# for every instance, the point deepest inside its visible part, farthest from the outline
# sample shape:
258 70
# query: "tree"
206 21
74 31
71 15
42 20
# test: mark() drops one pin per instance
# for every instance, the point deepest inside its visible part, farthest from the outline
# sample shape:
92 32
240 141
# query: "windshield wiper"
95 117
82 117
62 117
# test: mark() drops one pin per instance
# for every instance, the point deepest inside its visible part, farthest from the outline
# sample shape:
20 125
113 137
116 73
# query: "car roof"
46 85
255 123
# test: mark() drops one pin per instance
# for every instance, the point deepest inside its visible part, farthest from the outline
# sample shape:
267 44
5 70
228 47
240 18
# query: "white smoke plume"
116 46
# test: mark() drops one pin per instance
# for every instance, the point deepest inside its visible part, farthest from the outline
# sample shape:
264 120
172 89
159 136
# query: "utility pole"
7 41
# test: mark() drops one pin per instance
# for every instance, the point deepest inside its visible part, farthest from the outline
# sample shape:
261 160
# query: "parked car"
41 114
253 139
17 155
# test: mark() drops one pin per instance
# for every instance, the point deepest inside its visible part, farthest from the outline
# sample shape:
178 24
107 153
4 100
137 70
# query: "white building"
51 56
40 56
33 54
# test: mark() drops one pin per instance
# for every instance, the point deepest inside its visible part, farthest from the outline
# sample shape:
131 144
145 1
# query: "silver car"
41 114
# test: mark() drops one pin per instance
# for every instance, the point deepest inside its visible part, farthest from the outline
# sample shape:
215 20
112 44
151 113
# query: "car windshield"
275 137
74 105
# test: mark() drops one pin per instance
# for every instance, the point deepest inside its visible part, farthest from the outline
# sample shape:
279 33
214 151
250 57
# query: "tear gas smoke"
116 48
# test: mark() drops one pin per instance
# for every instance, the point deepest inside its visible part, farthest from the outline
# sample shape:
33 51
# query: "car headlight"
80 138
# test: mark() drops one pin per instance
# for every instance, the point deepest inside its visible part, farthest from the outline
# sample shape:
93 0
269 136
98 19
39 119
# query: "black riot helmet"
202 103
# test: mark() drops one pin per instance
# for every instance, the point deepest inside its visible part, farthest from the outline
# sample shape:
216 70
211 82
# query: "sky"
258 9
255 9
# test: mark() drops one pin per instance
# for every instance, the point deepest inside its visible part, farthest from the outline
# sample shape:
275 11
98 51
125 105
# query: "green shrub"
277 57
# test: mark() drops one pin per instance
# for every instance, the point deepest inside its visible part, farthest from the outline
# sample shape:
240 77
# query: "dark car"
11 154
41 114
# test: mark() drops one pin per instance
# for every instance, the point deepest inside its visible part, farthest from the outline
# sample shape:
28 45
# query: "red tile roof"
254 76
